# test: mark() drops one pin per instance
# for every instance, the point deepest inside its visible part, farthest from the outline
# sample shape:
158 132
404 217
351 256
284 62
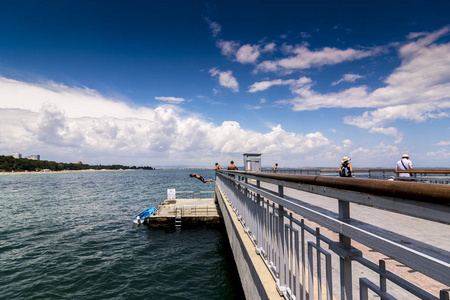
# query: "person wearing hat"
345 169
404 164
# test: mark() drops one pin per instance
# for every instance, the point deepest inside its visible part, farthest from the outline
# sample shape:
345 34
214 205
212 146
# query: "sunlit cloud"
347 78
39 118
300 58
245 54
226 79
264 85
417 90
443 143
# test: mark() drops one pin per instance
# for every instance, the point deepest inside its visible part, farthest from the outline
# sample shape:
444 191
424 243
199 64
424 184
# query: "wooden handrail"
424 192
427 171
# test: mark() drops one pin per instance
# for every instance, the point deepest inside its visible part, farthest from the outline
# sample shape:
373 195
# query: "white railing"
194 195
303 261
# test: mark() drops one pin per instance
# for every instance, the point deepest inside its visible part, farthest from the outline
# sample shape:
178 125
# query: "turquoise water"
70 236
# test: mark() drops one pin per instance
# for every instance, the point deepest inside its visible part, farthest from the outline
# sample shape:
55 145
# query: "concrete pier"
185 213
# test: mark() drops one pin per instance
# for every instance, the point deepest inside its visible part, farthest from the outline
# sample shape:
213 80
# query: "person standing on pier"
218 167
274 169
404 164
232 166
345 169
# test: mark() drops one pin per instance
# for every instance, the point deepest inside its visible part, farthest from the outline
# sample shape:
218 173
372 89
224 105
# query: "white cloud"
347 78
304 58
53 127
268 48
214 27
443 143
347 143
427 39
47 120
440 154
247 54
264 85
172 100
228 48
380 151
419 89
226 79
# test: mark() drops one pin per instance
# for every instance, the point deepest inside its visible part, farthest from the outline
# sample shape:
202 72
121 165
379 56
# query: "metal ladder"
178 218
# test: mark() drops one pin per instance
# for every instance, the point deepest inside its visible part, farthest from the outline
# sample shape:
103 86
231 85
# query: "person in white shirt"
404 164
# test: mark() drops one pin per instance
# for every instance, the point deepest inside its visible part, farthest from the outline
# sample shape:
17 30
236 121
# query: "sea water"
70 236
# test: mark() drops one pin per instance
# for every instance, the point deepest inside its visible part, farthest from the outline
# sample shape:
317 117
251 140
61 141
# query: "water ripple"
70 236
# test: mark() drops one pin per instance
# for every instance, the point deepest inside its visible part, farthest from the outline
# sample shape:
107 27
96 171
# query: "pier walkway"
337 238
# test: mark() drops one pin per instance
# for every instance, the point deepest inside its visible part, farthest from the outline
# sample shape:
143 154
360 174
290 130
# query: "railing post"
281 191
345 262
281 244
383 286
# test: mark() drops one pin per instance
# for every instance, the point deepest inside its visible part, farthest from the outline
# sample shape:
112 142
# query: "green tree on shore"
10 164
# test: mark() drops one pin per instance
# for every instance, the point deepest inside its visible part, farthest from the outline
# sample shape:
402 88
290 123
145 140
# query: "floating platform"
187 210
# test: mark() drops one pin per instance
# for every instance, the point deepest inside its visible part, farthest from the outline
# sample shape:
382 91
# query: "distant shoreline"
65 171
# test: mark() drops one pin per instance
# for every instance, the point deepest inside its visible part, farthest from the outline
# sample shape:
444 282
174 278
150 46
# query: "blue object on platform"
144 214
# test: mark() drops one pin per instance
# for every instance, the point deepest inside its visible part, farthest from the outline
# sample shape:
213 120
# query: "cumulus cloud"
443 143
245 54
172 100
226 79
54 128
381 150
439 154
46 119
347 78
417 90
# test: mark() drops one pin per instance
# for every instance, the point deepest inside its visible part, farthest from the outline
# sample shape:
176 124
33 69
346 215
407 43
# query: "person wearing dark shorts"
200 178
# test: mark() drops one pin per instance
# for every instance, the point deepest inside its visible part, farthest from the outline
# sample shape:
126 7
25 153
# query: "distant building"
16 155
34 157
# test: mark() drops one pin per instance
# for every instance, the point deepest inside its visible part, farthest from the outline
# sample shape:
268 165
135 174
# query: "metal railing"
194 195
301 258
438 176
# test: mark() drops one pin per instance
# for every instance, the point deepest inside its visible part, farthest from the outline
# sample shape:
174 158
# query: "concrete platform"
185 213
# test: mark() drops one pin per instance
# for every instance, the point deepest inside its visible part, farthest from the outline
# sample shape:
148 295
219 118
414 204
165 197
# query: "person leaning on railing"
345 169
404 164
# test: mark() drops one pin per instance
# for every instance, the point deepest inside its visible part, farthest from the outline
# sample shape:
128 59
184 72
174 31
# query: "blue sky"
194 82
